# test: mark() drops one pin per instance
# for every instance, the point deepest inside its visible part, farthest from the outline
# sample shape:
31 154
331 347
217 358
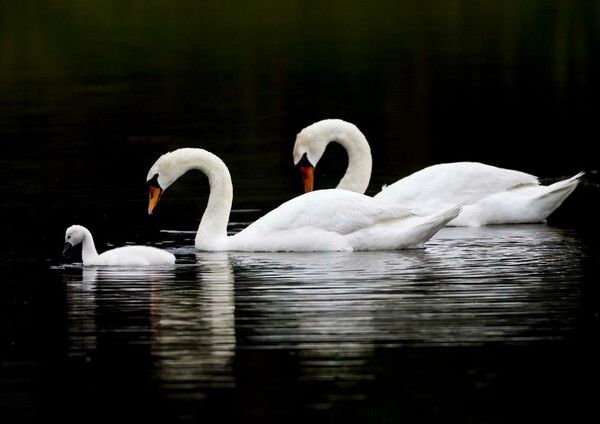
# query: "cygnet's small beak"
67 248
153 197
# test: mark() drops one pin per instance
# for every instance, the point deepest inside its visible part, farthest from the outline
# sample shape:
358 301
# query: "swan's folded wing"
338 211
453 183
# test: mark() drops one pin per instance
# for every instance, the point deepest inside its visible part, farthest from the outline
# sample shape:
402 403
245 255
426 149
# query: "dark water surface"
484 325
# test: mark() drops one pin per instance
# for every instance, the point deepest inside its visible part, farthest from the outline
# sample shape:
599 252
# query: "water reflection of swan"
103 295
471 286
196 337
184 315
81 312
482 286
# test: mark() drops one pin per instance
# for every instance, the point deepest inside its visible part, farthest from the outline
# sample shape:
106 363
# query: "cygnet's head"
73 236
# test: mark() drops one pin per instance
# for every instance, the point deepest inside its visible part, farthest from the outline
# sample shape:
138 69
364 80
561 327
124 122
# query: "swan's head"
312 141
73 236
154 191
161 175
173 165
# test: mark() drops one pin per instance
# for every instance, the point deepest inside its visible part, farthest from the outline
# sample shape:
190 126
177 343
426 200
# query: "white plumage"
325 220
123 256
490 195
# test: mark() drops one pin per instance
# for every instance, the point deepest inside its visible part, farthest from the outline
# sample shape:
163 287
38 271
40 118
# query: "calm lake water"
485 325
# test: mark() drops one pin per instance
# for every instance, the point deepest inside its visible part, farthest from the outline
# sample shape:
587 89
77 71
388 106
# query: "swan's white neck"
313 140
88 249
360 163
212 231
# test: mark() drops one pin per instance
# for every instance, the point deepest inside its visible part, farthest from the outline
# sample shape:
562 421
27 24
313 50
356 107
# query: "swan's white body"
490 195
123 256
325 220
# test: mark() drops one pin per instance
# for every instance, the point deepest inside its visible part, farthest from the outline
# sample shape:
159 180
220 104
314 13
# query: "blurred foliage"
409 74
66 38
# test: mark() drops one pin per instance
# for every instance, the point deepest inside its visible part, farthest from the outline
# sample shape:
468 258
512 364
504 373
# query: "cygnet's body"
120 256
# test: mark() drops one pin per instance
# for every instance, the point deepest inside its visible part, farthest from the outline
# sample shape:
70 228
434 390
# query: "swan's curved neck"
360 163
88 249
212 231
213 225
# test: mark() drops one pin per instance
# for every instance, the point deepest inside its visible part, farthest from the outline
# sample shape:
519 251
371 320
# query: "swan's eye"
68 237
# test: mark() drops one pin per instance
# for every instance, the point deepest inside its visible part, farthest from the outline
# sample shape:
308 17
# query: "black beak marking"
67 248
304 162
153 182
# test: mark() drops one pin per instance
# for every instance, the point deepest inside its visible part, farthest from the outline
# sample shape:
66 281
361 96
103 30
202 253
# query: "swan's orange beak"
153 197
308 173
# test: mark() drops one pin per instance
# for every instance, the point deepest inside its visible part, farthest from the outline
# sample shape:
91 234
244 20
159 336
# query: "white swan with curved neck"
490 195
124 256
324 220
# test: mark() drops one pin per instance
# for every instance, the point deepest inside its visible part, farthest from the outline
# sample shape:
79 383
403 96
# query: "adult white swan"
125 256
490 195
324 220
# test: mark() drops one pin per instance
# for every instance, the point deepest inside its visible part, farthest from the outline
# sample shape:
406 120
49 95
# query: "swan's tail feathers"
575 179
555 194
561 189
569 182
434 223
445 216
410 231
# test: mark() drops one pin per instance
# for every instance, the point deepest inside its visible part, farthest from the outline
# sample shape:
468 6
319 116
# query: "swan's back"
337 220
440 186
339 211
490 195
